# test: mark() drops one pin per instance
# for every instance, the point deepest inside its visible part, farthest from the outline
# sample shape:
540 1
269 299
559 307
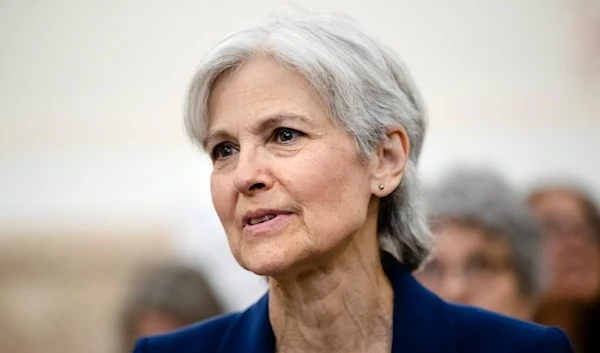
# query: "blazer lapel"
259 337
251 332
423 323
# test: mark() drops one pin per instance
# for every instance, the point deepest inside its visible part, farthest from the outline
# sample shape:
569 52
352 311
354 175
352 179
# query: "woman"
315 131
163 297
571 224
487 249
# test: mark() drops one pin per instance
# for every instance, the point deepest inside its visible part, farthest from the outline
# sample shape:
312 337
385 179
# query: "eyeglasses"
560 228
477 270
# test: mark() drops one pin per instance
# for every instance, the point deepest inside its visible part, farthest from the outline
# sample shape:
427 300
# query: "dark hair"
589 324
588 206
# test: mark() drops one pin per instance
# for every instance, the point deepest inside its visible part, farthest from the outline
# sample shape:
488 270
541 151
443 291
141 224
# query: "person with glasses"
487 249
571 229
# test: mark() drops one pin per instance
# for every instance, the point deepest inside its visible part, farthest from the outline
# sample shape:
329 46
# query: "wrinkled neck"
343 305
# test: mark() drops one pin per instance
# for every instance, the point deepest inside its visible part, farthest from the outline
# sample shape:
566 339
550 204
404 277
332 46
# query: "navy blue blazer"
423 323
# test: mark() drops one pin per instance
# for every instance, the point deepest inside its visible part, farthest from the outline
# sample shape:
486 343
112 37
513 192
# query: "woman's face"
472 268
152 322
287 183
570 246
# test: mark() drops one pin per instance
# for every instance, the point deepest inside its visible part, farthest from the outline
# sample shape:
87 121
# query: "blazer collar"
423 323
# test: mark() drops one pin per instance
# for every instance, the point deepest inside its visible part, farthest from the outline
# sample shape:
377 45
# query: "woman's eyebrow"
265 123
277 119
215 135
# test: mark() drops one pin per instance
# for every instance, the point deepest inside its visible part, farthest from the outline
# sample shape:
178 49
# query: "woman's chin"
276 263
267 266
271 257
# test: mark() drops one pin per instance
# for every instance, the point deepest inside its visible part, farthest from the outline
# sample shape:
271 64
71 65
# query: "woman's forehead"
260 90
467 239
559 204
259 74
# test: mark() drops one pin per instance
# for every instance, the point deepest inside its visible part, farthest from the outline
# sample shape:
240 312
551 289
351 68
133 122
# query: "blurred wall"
60 291
91 94
91 97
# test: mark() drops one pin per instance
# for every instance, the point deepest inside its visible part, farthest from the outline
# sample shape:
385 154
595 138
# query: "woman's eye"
478 264
222 151
285 135
433 269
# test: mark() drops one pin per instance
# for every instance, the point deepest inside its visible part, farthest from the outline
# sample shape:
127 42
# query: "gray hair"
482 198
173 288
365 88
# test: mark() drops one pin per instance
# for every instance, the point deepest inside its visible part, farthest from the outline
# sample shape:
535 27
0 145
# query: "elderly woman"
315 130
571 228
487 253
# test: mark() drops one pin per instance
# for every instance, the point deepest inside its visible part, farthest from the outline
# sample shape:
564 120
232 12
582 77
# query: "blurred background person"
486 250
571 243
164 297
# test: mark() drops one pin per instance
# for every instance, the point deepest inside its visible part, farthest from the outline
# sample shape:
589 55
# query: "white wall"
91 95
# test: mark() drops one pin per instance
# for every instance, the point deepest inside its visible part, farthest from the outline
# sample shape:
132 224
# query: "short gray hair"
481 197
366 91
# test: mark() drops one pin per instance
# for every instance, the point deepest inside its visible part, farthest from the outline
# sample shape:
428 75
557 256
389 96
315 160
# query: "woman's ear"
392 156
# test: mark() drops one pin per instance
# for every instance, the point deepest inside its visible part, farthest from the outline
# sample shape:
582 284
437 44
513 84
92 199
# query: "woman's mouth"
263 221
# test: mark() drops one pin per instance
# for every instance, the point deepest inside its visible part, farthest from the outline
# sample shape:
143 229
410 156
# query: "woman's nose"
251 173
455 289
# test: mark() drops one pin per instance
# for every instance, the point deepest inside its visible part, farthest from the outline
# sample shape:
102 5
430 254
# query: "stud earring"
381 187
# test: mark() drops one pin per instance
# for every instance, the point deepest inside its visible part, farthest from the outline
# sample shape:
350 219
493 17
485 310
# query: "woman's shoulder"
479 330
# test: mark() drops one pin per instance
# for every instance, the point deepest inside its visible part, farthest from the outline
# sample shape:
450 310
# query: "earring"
381 187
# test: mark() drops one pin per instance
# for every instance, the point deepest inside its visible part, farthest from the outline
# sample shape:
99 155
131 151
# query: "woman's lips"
272 223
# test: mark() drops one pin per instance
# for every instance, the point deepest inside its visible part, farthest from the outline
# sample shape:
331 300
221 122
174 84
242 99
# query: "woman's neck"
345 305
